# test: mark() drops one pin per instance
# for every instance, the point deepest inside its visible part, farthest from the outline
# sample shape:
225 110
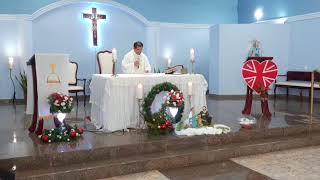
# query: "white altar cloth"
113 99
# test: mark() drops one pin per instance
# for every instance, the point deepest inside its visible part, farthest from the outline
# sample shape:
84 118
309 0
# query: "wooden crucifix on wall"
94 18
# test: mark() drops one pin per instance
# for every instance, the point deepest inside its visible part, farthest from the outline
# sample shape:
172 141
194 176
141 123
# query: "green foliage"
23 81
180 126
156 70
62 134
154 121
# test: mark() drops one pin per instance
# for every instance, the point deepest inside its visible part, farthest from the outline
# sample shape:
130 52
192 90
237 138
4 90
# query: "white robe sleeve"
147 66
127 64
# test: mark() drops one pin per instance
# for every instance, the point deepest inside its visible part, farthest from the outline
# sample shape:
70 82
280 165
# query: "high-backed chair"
105 63
73 82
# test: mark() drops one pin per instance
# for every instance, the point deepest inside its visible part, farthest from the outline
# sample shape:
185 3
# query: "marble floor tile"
149 175
216 171
296 164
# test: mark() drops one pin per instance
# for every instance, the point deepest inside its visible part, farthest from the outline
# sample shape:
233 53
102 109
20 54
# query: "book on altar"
178 69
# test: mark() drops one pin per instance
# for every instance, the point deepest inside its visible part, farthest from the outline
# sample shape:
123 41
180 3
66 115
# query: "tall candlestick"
10 62
140 91
169 62
10 73
190 89
192 55
114 55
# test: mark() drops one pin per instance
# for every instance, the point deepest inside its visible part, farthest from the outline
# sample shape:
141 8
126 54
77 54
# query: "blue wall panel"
275 8
178 11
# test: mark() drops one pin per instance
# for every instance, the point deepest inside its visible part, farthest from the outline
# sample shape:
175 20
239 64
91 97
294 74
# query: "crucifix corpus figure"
94 18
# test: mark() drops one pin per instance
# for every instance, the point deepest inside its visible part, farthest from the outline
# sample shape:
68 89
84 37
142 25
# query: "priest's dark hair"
137 44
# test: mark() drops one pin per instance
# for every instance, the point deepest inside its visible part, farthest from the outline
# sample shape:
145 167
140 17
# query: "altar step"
171 158
51 158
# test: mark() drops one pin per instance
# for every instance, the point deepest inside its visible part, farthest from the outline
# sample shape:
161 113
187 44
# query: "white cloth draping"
114 103
216 129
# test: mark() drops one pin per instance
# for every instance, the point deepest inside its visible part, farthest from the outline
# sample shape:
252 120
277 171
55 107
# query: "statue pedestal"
248 105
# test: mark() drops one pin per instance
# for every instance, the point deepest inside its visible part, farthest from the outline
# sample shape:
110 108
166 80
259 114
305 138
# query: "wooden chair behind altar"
105 63
73 82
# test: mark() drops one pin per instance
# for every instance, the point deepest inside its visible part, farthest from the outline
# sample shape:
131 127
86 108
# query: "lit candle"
114 55
190 88
10 62
139 91
169 62
192 55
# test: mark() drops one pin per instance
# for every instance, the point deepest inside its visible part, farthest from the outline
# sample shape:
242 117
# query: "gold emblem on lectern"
53 78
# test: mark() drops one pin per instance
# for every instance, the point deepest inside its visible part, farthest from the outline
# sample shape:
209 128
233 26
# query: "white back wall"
214 60
16 42
233 49
175 42
304 48
63 30
304 45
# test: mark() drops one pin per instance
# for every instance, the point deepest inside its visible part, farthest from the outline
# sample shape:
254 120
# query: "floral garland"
60 103
159 123
62 134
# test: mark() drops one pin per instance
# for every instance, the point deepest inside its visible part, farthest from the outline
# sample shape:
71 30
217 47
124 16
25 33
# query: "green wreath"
155 121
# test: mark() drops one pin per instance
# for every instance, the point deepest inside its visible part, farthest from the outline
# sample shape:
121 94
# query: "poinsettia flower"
174 98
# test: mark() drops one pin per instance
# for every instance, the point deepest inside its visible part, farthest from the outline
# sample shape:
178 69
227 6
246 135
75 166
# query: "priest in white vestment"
135 61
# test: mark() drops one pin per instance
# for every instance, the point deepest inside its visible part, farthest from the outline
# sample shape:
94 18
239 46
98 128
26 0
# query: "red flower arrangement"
62 134
167 126
175 99
60 103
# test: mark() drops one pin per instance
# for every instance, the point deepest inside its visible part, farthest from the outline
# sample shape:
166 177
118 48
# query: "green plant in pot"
22 79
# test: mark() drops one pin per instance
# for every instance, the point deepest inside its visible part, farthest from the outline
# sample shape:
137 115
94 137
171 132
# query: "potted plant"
23 84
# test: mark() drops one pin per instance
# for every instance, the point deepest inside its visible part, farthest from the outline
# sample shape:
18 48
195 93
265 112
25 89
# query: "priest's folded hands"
135 61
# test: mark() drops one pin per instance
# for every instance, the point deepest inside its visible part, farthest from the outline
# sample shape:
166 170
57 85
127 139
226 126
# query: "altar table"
113 99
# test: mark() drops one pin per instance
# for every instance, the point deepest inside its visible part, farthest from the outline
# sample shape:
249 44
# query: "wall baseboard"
21 101
9 102
271 97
